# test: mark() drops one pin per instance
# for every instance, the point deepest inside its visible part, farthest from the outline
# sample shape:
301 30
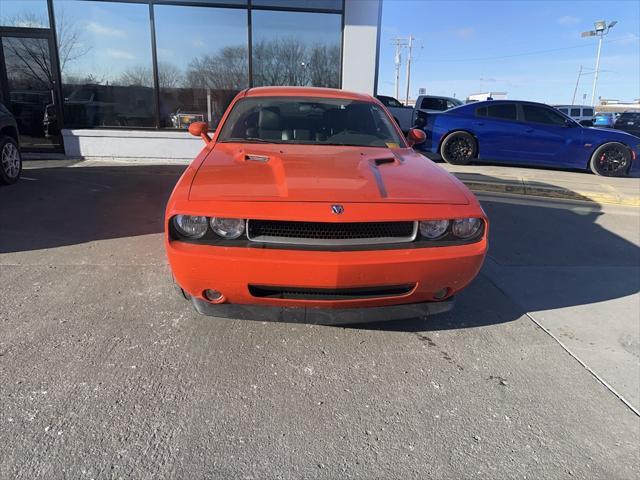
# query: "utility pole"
398 60
575 90
409 47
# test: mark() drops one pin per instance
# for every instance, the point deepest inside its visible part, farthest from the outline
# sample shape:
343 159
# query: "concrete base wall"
130 144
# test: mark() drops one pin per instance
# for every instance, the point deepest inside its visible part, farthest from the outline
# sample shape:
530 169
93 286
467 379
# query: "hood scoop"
384 161
256 158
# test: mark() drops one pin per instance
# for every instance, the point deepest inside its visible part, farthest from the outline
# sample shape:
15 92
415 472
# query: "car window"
429 103
390 102
538 114
587 112
564 110
311 121
575 112
505 111
453 103
481 112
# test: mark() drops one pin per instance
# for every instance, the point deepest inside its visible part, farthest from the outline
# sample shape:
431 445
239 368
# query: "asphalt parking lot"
107 373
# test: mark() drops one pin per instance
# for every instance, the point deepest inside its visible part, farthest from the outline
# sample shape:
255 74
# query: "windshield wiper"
250 140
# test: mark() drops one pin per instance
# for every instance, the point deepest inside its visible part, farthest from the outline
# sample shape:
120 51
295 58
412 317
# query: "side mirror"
415 136
200 129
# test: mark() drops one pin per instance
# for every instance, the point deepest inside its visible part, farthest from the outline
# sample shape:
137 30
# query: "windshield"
311 121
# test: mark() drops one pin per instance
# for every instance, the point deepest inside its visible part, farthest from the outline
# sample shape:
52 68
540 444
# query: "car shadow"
547 256
54 207
531 244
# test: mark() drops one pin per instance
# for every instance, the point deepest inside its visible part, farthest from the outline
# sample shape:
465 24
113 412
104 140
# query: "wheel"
10 160
459 148
611 160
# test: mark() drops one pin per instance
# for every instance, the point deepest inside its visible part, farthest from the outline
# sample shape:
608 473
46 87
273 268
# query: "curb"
556 192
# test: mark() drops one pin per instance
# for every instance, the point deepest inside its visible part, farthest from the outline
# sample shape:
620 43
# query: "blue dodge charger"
526 133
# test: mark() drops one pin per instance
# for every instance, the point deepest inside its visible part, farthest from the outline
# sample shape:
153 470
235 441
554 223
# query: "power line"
522 54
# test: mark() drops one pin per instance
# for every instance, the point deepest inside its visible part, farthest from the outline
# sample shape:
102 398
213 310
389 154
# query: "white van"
583 114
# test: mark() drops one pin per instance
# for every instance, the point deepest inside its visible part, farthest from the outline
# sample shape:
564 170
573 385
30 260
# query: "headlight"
190 226
229 228
433 229
466 227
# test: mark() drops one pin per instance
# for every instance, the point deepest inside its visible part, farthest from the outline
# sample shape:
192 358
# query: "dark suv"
629 122
10 159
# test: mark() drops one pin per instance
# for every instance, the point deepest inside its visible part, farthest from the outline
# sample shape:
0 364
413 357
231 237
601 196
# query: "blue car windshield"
310 121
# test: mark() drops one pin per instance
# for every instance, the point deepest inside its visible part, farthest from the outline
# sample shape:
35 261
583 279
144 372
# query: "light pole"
601 29
397 61
409 47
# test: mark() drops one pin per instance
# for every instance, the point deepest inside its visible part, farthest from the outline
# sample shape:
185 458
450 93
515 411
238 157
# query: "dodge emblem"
337 209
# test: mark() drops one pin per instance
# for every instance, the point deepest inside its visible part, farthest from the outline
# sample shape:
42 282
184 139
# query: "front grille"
359 293
326 233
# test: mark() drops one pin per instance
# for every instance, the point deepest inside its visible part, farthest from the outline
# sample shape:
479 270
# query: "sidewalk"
580 186
577 186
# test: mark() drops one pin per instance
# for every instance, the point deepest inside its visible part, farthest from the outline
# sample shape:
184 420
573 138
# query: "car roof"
572 106
484 103
316 92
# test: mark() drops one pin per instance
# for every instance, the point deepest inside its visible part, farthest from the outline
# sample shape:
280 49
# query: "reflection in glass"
202 62
105 60
296 48
30 81
21 13
319 4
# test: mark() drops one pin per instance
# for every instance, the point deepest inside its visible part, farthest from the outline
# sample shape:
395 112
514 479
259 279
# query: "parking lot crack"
584 365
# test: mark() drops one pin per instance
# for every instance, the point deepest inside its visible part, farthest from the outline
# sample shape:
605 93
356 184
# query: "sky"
530 49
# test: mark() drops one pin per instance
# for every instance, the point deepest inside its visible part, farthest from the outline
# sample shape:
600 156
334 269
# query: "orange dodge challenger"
309 205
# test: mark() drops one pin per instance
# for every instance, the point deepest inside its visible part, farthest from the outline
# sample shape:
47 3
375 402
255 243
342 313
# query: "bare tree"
29 60
290 62
324 66
227 70
70 44
138 75
169 76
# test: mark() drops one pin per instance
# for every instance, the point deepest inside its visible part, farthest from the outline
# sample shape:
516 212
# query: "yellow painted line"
579 195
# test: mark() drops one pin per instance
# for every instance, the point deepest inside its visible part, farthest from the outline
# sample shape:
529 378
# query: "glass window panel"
105 59
202 62
319 4
296 48
548 116
21 13
30 94
205 2
505 111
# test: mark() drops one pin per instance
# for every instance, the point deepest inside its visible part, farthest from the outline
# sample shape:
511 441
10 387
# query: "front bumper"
232 270
322 316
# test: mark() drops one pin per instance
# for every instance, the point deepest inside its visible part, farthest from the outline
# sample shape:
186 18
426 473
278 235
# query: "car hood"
608 134
319 173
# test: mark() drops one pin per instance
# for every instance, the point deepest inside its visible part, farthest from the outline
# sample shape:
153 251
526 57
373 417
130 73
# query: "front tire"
611 160
10 160
459 148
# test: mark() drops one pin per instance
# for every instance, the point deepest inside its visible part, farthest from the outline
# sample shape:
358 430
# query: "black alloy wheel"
459 148
611 160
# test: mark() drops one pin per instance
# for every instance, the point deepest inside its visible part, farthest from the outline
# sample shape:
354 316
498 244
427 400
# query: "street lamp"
600 30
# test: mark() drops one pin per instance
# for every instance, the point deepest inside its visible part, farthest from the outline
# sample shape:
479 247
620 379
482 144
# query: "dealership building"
125 78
